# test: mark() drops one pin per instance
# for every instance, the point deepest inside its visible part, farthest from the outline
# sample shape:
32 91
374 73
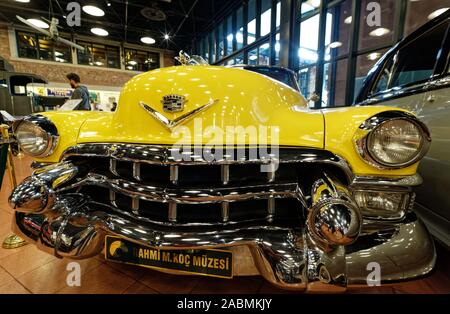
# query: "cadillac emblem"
173 103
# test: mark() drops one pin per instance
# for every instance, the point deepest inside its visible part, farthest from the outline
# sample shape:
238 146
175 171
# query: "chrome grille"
145 182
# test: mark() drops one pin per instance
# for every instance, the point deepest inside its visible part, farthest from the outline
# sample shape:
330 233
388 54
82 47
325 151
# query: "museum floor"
28 270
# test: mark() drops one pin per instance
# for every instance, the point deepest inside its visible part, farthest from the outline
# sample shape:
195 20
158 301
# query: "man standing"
80 92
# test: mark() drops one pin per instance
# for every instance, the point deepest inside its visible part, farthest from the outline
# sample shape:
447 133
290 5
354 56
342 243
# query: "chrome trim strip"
164 155
171 124
188 196
408 181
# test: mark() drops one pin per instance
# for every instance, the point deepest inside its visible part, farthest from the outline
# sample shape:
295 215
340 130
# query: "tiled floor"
28 270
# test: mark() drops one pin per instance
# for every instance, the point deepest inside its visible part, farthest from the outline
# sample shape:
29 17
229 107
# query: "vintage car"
226 172
415 75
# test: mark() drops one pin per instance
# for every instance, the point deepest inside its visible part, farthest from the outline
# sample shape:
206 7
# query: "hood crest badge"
171 124
173 103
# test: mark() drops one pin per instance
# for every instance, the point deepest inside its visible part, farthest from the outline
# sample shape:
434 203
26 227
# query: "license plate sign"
214 263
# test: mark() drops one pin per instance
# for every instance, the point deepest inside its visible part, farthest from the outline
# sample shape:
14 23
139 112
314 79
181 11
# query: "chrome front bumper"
287 258
325 253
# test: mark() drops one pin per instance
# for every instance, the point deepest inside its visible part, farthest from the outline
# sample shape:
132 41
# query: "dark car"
415 75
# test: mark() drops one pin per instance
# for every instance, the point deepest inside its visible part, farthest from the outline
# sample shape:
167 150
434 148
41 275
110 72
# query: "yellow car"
226 172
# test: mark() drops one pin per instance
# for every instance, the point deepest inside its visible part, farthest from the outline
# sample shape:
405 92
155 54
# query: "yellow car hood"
242 98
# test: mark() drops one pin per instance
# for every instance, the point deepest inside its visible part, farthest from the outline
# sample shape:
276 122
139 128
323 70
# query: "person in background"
80 92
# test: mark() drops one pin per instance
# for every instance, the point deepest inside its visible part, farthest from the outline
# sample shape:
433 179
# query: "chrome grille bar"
113 166
270 207
271 173
137 171
112 197
173 212
135 205
174 174
225 174
225 211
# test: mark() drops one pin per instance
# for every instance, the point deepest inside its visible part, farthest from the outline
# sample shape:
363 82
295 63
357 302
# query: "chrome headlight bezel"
47 127
365 130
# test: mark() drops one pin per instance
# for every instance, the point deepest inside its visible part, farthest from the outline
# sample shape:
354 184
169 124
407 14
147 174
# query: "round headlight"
37 136
396 142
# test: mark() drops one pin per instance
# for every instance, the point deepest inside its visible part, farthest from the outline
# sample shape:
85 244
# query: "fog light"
382 204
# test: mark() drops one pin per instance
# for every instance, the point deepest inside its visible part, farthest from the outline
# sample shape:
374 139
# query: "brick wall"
54 72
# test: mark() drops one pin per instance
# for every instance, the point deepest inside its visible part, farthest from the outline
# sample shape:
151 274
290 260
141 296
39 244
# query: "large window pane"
309 41
240 28
278 20
229 35
334 83
277 49
212 47
138 60
364 63
266 17
309 5
220 41
264 54
27 45
307 80
251 26
420 12
253 56
98 55
373 36
338 30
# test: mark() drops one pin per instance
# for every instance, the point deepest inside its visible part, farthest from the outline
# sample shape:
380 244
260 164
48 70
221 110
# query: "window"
240 28
338 30
278 18
99 55
307 80
251 26
220 41
413 63
229 35
309 41
266 17
310 5
138 60
364 64
35 46
376 36
334 83
420 12
277 49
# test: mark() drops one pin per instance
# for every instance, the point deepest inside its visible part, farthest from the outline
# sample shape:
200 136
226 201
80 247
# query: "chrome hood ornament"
171 124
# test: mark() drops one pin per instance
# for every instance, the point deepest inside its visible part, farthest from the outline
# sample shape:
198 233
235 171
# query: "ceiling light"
373 56
148 40
166 37
437 13
98 63
348 20
335 44
23 1
253 57
380 31
38 23
93 10
99 31
132 62
129 67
